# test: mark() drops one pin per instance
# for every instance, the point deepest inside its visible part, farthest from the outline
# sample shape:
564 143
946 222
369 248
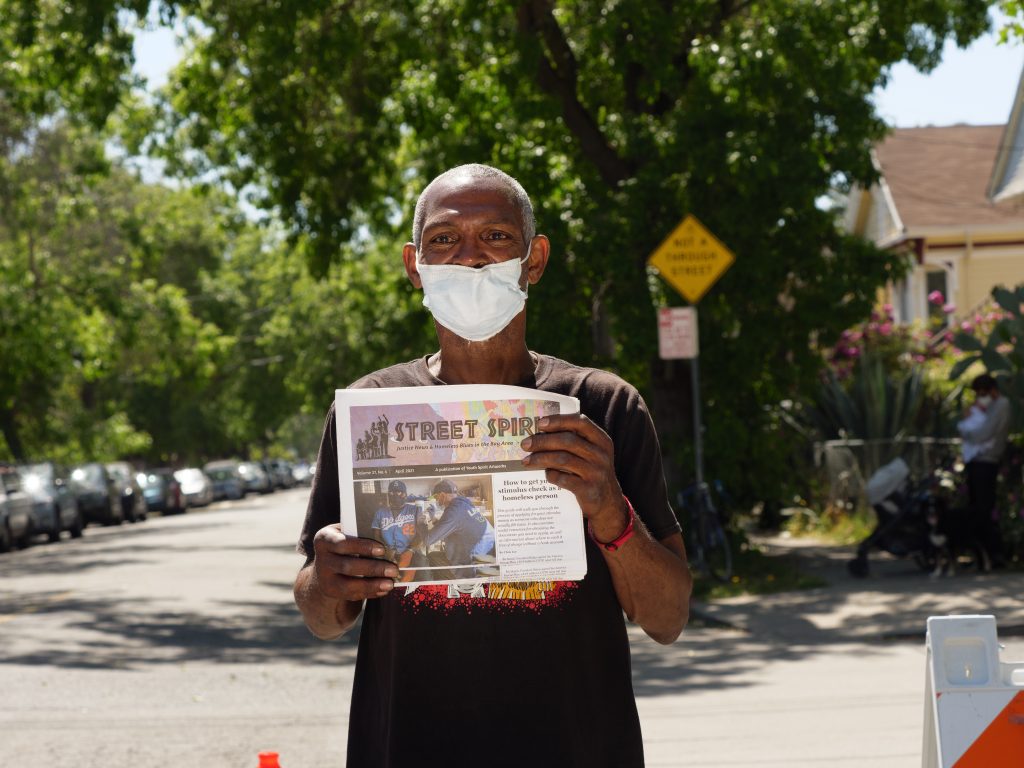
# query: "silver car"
256 478
195 485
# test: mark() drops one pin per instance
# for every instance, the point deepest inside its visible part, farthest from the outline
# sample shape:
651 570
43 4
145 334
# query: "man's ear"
540 250
409 259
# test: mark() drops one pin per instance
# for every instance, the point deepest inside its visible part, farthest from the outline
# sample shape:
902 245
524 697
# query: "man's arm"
651 577
998 412
344 571
442 529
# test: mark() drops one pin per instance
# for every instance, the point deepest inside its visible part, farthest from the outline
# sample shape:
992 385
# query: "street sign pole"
691 259
698 436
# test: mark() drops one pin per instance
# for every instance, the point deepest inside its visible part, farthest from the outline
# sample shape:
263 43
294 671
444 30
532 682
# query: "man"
464 531
539 682
988 436
396 523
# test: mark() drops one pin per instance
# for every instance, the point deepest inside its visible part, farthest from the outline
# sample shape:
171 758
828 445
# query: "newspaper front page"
436 475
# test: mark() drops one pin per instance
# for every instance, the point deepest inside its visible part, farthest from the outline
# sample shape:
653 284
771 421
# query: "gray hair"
516 194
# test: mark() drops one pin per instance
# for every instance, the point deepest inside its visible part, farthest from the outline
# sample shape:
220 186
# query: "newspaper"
471 510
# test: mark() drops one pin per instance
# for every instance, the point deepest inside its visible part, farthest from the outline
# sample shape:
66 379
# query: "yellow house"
952 199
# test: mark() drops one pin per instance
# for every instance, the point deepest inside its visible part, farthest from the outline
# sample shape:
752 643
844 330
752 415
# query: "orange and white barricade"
974 703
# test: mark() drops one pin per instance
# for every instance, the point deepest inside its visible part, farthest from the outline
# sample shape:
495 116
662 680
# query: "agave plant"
872 405
1002 353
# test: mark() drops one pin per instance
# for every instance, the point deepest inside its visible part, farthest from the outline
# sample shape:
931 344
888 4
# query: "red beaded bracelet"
623 537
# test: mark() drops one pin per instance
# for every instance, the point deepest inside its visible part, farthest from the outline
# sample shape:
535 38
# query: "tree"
618 118
1013 27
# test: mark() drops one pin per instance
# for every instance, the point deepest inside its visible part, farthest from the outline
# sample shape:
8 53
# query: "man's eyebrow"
508 222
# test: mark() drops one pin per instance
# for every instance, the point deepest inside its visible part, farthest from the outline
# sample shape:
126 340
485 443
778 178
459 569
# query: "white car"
195 485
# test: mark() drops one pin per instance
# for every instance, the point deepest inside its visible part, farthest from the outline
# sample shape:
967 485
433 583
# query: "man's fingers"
350 567
577 423
567 442
331 539
563 461
355 589
358 567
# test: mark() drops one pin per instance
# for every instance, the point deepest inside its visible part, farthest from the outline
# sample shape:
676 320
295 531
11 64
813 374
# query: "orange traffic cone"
269 760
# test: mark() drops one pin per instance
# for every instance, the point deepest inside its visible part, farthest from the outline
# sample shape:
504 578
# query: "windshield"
151 481
36 477
118 471
88 475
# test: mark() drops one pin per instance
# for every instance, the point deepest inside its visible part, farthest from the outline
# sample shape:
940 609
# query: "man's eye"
497 236
443 239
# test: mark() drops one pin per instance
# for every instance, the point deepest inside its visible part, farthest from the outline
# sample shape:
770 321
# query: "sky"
974 86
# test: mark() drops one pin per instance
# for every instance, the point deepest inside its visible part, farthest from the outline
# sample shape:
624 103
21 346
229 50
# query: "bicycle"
710 552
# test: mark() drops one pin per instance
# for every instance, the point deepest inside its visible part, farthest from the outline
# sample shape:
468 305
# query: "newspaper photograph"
435 474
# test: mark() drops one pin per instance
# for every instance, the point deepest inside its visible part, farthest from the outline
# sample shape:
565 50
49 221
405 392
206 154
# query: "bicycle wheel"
714 554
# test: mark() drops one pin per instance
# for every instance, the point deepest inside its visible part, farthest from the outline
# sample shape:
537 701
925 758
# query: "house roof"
940 176
1007 181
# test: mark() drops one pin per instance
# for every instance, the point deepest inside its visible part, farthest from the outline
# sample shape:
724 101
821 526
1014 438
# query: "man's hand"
350 568
345 571
579 456
651 578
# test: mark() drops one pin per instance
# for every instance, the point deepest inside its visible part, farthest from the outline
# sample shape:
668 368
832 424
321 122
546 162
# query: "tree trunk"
672 410
9 429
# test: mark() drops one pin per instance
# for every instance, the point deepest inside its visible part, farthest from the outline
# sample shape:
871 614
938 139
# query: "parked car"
133 503
256 477
280 472
15 510
99 498
162 491
228 482
54 502
195 485
302 472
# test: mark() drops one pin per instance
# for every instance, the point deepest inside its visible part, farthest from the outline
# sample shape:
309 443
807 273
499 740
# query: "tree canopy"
617 117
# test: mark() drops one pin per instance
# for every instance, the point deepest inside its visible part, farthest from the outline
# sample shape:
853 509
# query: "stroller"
903 509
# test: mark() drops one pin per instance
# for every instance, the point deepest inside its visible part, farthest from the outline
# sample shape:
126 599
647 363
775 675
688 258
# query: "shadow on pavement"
892 603
113 634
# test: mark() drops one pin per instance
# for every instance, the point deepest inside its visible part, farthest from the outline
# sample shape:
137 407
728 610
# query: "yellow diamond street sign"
691 259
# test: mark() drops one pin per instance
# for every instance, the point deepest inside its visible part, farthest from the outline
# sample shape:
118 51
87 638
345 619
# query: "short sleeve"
324 507
638 465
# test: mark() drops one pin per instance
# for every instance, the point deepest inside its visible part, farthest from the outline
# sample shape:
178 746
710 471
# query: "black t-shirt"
504 675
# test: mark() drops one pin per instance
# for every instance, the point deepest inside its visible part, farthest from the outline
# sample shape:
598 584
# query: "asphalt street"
176 641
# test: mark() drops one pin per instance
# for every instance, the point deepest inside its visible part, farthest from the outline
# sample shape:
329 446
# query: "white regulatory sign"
677 333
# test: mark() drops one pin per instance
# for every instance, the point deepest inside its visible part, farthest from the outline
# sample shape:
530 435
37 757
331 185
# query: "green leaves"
1010 301
962 365
618 118
1002 353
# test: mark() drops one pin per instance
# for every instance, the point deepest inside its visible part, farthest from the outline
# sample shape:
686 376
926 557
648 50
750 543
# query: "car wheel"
5 537
77 525
53 535
128 511
115 514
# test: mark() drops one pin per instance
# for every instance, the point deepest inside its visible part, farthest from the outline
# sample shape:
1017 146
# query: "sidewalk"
892 603
820 678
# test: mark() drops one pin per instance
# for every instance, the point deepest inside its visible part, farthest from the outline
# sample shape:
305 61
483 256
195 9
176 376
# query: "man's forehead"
468 195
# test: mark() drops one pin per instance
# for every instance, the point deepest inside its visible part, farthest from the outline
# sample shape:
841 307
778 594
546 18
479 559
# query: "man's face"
443 499
396 500
473 222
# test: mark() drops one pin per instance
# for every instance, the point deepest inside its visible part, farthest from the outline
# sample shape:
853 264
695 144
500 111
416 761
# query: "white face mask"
984 400
475 303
